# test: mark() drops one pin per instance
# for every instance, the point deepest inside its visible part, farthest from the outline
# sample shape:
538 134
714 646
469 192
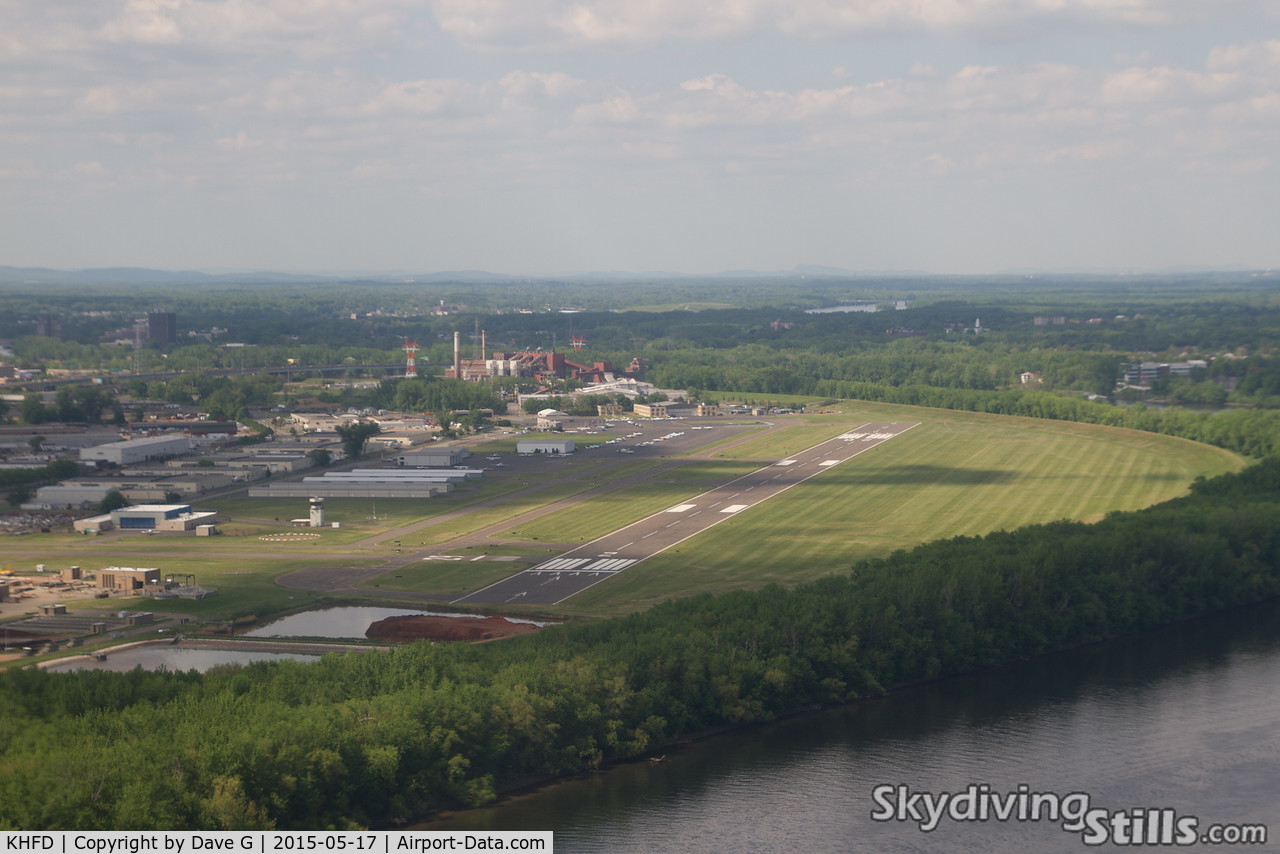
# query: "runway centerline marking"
564 576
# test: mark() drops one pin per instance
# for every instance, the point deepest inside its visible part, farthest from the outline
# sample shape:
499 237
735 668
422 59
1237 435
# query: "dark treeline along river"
1185 720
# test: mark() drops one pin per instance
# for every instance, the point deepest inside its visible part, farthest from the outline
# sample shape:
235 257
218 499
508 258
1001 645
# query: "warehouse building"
87 493
457 474
148 517
350 489
432 457
651 410
127 579
137 450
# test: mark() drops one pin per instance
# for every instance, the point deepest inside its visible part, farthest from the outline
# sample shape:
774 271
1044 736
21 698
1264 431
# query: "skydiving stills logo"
1073 811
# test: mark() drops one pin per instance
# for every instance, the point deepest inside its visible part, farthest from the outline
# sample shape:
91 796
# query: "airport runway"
559 578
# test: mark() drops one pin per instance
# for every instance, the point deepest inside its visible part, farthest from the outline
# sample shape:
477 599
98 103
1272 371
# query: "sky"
544 137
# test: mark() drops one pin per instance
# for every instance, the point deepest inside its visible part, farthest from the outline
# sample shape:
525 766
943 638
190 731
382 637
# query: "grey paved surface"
571 572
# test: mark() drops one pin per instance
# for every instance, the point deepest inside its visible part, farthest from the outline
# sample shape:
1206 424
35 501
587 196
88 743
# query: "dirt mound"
423 627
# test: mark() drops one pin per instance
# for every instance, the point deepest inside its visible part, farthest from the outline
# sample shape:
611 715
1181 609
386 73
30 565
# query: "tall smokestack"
457 356
484 351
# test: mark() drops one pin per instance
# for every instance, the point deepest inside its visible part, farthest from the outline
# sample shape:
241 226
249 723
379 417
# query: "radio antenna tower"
410 366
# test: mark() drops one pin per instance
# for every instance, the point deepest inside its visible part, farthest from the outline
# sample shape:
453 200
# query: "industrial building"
651 410
544 446
432 457
162 327
456 474
552 419
541 366
1146 373
66 497
350 489
148 517
252 460
138 450
370 483
127 579
86 493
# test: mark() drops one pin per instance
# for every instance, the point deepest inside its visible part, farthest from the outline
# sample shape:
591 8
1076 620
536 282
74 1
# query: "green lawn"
955 474
450 579
606 513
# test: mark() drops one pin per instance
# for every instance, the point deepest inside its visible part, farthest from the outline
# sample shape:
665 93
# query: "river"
1184 719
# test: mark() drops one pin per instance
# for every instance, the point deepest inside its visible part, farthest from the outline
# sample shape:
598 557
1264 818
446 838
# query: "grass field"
955 474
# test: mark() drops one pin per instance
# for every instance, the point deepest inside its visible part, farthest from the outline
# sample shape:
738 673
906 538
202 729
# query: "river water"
1185 719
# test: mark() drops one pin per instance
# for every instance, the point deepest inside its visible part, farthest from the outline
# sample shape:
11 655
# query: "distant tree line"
1254 433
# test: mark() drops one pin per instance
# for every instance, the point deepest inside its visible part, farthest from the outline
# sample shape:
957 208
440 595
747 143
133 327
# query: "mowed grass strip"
449 579
617 509
942 479
778 443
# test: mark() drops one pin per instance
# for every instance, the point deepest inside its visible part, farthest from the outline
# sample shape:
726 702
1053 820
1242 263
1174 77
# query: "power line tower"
410 365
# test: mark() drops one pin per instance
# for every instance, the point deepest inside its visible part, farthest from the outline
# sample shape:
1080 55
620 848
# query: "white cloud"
191 100
92 169
554 25
423 97
103 29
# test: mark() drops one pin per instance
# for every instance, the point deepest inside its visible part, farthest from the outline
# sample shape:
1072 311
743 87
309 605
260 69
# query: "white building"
138 450
149 517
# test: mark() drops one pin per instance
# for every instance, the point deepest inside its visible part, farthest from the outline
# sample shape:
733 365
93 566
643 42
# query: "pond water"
173 658
344 622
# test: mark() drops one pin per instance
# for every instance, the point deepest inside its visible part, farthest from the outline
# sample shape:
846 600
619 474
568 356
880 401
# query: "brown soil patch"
423 627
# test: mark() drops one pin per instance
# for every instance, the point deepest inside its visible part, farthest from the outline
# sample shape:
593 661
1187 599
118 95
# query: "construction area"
46 593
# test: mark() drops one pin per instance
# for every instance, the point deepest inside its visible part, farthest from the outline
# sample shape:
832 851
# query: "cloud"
103 29
557 25
187 100
423 98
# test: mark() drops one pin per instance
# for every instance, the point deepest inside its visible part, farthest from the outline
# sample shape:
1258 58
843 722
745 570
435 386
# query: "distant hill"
144 275
141 275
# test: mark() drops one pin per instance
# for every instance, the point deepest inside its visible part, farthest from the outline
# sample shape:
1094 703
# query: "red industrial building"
543 367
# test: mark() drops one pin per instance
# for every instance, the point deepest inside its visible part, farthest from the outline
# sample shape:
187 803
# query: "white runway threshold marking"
569 576
611 565
560 564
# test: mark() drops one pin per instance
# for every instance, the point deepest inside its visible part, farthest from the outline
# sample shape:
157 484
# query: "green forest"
375 739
